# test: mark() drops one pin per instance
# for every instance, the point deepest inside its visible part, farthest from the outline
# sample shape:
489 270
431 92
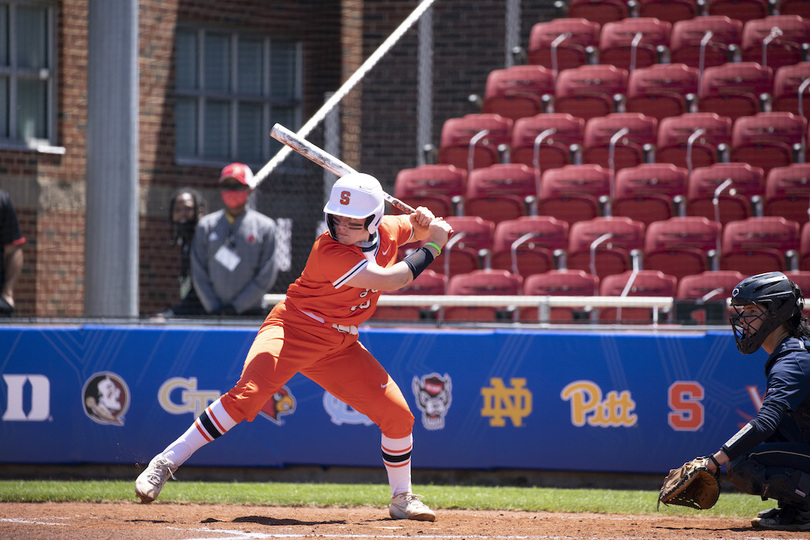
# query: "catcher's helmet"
359 196
779 299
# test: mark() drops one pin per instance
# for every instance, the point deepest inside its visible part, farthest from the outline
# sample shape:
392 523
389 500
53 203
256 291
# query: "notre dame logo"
502 402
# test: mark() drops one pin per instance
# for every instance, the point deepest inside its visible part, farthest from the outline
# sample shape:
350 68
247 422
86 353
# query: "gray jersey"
233 264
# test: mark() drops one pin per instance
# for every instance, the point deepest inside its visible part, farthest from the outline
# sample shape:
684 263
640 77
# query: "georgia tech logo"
340 413
433 395
282 403
105 397
191 400
39 406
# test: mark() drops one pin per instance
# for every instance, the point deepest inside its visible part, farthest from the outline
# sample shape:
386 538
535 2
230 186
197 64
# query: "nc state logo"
282 403
433 395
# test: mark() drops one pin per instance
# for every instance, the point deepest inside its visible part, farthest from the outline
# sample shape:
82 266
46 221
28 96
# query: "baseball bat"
326 160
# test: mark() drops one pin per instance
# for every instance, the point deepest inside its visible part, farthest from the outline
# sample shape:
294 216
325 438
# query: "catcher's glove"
692 484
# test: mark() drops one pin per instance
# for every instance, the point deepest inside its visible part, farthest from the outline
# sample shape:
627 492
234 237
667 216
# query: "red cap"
238 171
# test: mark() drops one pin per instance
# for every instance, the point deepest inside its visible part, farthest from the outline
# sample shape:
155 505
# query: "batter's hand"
422 217
440 231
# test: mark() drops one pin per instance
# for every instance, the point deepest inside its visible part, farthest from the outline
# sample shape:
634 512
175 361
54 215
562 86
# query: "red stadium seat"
429 283
795 7
546 141
759 244
742 10
619 140
787 192
791 89
804 248
604 245
635 283
563 43
483 283
468 249
590 91
635 42
440 188
705 41
681 246
735 201
671 11
734 89
775 41
529 245
518 91
693 140
601 11
472 141
701 297
661 90
574 192
768 140
501 191
559 283
649 192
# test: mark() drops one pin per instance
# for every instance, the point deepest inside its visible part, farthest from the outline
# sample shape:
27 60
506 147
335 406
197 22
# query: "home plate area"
74 521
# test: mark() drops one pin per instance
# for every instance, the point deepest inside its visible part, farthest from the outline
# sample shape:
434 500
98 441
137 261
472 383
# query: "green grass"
345 495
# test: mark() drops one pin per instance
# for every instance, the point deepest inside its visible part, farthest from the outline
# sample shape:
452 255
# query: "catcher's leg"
778 471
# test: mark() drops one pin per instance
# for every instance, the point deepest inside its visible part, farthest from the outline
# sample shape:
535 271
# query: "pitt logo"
587 406
39 406
191 400
282 403
501 402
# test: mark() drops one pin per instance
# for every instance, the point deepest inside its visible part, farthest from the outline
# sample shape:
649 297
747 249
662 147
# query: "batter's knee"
396 423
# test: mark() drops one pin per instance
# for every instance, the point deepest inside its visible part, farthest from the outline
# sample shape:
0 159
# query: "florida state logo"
282 403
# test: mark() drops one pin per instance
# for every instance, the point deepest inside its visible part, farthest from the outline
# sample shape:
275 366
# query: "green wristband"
438 249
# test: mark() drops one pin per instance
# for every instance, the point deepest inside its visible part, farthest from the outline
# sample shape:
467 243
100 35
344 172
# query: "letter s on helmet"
359 196
779 298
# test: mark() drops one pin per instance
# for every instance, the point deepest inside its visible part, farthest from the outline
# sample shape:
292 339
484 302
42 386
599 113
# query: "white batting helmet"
359 196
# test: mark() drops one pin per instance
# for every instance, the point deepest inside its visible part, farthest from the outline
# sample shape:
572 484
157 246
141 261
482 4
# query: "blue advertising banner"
483 399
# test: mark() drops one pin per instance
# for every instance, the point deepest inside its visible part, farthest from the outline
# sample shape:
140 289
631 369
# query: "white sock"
397 459
211 424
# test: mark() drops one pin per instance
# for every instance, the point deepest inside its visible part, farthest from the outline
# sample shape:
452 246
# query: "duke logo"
501 402
433 395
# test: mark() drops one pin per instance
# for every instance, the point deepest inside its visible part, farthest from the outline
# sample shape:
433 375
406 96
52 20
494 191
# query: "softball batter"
314 332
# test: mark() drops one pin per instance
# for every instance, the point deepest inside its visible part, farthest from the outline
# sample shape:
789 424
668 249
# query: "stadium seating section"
646 148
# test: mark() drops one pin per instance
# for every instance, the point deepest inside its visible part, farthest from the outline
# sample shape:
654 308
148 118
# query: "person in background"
233 251
12 241
770 455
186 207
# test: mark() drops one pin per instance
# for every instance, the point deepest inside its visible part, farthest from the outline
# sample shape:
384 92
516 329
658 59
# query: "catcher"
770 455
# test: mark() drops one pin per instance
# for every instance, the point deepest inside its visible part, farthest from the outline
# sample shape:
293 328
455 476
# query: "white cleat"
408 506
152 479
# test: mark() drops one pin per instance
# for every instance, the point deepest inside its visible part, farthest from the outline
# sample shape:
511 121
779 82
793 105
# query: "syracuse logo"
106 398
282 403
433 395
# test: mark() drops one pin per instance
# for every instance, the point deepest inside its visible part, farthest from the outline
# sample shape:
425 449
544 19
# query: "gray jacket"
223 279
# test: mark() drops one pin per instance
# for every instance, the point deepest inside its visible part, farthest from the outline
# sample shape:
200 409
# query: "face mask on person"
235 199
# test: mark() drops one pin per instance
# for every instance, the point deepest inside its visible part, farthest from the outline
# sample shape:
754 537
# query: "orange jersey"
321 289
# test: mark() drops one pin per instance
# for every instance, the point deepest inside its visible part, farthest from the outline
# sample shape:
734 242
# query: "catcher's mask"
778 300
356 195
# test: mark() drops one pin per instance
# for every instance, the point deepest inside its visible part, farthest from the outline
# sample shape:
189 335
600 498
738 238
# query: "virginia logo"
433 395
106 398
282 403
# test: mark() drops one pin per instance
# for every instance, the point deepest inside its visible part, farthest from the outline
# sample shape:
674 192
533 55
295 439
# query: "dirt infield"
86 521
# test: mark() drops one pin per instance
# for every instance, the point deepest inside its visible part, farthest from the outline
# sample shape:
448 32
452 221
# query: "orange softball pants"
291 342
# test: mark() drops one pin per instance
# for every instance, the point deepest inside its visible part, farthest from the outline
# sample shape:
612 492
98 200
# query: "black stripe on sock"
396 459
209 426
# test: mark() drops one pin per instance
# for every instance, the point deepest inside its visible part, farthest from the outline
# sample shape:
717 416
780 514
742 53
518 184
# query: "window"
27 93
231 89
